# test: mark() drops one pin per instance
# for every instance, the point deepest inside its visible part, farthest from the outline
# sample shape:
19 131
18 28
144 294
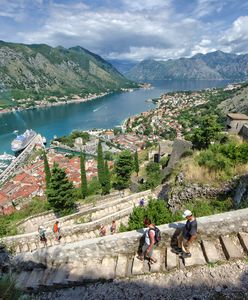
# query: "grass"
202 175
8 222
8 289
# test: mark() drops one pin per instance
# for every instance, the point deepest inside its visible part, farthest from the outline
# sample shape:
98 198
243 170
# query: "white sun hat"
187 213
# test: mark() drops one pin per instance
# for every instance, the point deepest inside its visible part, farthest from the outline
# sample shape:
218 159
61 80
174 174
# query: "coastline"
49 104
75 99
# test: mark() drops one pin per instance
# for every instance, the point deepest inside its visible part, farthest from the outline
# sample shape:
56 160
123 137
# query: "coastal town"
136 134
165 120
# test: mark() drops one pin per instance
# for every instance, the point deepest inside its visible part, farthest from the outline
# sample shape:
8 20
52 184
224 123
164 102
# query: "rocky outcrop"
180 148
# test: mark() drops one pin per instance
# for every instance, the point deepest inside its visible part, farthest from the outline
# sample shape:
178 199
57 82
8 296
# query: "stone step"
93 270
156 267
108 267
61 275
197 257
32 246
231 250
34 279
76 273
68 239
47 277
211 253
21 278
24 248
138 266
171 260
121 265
243 237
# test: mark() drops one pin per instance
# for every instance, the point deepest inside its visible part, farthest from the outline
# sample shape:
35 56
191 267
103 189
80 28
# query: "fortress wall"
127 243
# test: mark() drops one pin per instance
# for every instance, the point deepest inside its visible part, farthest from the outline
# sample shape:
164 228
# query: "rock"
218 289
189 274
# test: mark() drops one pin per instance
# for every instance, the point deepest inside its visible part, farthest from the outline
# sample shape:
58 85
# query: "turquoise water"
106 112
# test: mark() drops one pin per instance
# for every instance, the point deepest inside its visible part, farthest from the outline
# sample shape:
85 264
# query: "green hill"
36 71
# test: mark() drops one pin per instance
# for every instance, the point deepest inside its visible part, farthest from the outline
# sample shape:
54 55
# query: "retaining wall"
127 243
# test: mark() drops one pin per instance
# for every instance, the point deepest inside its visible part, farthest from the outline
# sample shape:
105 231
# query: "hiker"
188 235
56 230
102 230
147 248
113 227
142 202
42 234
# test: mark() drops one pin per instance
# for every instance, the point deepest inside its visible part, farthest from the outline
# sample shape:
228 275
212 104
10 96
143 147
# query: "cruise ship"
21 141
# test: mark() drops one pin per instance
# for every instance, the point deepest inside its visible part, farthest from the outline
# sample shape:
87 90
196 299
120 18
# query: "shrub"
154 176
156 210
8 289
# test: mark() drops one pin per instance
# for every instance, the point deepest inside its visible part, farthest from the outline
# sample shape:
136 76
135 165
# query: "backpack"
157 236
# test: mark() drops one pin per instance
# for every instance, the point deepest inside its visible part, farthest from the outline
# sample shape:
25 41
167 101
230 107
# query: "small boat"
3 166
6 156
15 131
44 140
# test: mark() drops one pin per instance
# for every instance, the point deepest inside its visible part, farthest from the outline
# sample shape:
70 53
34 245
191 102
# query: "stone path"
122 266
228 281
117 209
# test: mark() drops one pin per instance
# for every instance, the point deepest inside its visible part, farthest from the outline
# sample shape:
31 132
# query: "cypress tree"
61 192
106 186
136 162
47 170
84 189
123 169
100 164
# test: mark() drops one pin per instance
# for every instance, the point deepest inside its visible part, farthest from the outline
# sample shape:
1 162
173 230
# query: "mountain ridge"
216 65
38 70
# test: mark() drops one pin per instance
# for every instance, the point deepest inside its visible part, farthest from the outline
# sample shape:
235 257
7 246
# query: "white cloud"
137 30
236 37
207 7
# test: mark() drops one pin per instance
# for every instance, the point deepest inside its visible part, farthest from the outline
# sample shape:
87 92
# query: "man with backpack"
152 237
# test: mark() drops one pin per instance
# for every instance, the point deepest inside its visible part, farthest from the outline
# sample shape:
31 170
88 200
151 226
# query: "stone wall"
127 243
80 228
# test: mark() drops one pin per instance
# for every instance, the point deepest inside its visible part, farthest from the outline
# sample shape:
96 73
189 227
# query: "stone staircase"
31 224
117 209
226 247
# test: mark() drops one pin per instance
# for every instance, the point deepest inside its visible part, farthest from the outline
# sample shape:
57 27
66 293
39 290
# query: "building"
235 122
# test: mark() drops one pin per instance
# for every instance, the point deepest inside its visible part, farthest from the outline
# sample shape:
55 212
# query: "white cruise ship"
22 141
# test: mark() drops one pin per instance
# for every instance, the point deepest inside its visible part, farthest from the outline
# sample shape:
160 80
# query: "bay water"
106 112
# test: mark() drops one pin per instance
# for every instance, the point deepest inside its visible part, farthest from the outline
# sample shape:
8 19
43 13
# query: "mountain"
123 66
39 70
238 103
212 66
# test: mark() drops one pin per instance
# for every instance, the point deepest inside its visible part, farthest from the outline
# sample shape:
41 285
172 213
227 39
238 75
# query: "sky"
129 29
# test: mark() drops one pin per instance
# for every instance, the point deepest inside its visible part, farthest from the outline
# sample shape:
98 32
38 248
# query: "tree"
47 170
207 132
136 163
154 176
61 193
106 186
83 176
123 169
100 164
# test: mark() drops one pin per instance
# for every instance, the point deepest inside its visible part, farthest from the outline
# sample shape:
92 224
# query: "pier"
9 171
